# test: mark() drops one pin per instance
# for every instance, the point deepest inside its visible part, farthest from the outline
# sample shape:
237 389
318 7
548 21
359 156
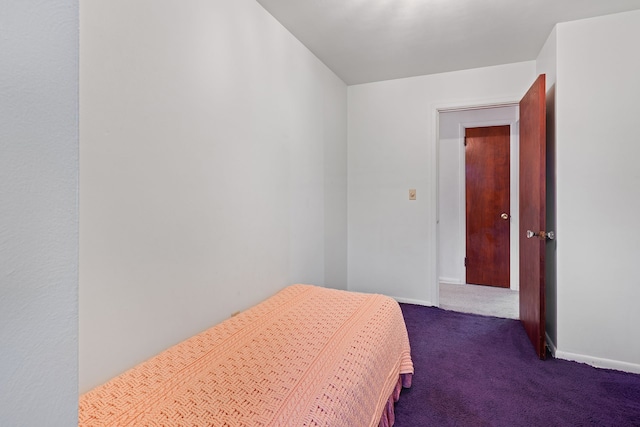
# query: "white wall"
392 148
598 201
212 167
451 189
38 213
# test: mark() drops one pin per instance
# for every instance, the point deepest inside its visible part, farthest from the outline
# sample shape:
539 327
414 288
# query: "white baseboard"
413 301
450 281
551 345
598 362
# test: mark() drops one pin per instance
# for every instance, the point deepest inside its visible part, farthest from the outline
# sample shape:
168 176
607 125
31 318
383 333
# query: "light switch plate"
412 194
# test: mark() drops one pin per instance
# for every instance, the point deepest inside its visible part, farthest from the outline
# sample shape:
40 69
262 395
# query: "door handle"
543 235
504 216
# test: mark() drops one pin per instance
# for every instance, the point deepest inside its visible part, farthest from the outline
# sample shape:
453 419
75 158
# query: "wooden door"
487 164
532 213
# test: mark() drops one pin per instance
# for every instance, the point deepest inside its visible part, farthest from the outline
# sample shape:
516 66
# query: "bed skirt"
388 417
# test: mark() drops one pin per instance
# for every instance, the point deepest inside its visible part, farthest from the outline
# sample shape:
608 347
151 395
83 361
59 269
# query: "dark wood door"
487 161
532 213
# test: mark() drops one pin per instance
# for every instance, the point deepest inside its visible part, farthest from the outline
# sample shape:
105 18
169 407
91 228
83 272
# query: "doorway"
454 293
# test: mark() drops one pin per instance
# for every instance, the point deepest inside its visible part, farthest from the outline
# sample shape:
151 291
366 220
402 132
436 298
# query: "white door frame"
436 109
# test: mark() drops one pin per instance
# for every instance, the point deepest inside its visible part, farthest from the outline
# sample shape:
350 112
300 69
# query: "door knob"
504 216
543 235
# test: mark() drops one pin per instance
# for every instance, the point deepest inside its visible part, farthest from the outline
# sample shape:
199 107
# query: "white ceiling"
371 40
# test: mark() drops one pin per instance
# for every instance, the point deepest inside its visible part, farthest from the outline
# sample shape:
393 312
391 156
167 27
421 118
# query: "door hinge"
465 141
465 261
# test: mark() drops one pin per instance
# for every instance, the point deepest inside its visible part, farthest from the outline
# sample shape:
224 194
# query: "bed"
307 356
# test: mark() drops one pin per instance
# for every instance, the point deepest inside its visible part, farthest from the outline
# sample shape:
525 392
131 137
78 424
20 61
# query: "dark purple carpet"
482 371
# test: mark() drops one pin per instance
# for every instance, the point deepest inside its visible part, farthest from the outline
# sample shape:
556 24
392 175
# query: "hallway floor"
477 299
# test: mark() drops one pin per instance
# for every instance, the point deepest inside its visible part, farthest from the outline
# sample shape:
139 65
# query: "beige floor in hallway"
486 300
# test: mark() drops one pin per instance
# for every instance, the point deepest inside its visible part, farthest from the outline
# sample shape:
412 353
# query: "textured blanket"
308 356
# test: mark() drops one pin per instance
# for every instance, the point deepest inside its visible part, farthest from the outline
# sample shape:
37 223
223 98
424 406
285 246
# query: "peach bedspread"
308 356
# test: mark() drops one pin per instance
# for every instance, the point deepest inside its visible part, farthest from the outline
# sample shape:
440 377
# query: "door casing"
514 205
433 288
